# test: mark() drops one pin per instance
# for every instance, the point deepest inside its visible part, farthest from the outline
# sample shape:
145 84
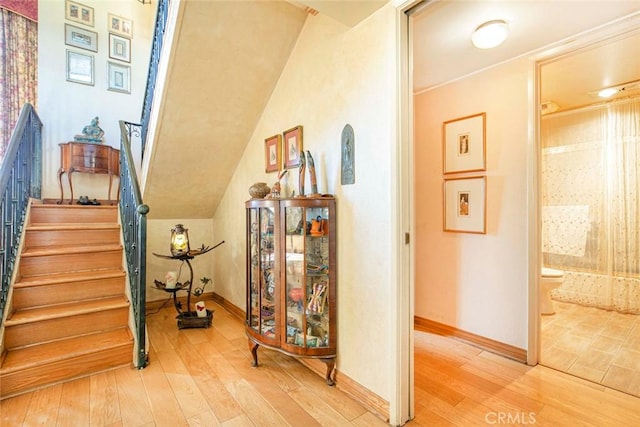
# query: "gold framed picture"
292 146
463 142
120 26
273 153
465 201
79 13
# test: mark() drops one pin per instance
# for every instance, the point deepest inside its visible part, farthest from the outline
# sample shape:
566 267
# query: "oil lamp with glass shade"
179 241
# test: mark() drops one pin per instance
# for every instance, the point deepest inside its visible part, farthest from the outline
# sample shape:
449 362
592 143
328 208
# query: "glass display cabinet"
291 277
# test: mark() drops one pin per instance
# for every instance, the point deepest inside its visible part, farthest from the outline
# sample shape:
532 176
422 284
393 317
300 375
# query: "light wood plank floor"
203 377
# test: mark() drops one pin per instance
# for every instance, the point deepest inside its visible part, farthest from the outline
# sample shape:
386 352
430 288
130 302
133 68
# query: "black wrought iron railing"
133 217
132 209
156 50
20 180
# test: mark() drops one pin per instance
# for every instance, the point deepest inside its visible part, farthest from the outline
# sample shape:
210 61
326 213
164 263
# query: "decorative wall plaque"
348 172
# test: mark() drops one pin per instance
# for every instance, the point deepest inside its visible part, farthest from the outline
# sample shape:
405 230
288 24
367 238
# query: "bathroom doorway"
590 212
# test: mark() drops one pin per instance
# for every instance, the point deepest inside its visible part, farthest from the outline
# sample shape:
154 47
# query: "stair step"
41 261
46 235
31 367
37 291
69 249
64 327
72 276
41 213
64 310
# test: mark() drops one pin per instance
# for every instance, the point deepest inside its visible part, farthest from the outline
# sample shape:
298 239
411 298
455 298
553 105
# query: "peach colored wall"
476 283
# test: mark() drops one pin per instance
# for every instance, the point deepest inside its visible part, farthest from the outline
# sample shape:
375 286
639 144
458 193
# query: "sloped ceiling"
228 59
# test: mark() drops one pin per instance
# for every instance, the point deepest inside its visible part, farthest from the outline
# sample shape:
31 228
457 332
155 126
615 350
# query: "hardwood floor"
203 377
457 384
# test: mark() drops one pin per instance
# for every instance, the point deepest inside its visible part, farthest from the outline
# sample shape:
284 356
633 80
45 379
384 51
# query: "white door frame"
402 407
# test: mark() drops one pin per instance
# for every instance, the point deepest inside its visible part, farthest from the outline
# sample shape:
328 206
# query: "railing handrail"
126 143
154 59
20 180
26 113
134 233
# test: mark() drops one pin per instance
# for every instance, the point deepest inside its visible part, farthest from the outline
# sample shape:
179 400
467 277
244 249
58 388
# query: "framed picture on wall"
463 143
79 37
119 48
79 68
292 147
79 13
120 26
465 201
273 153
119 77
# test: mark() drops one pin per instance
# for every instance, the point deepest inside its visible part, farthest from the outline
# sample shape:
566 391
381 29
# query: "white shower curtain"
591 163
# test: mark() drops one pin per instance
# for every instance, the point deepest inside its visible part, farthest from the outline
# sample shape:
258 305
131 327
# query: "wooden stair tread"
67 206
73 276
45 226
36 314
69 249
64 349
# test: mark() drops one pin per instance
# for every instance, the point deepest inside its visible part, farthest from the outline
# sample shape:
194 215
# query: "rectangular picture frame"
465 205
80 38
464 147
118 77
79 13
273 153
80 68
120 26
292 146
119 48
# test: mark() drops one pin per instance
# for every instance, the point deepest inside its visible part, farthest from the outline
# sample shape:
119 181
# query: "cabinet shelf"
300 319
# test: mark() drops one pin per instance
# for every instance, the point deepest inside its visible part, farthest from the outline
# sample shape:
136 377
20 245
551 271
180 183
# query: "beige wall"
477 283
335 75
66 107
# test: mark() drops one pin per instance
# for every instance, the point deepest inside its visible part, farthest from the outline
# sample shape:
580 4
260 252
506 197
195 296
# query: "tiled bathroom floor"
597 345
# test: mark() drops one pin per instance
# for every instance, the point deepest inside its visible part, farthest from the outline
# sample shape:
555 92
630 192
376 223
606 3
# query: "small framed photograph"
79 37
80 13
120 26
80 68
119 48
292 147
273 153
465 201
464 144
119 77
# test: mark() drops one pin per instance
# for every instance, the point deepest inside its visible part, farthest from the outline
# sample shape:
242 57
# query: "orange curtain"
18 70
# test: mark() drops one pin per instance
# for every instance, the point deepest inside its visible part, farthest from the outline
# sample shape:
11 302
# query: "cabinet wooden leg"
254 352
331 363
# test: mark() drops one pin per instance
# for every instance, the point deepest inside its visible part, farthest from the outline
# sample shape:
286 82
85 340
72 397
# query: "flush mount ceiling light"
610 91
490 34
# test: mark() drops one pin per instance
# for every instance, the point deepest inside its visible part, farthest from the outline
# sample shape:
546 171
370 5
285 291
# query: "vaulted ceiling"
227 61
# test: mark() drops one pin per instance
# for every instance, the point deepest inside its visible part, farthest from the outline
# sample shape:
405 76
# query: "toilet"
549 280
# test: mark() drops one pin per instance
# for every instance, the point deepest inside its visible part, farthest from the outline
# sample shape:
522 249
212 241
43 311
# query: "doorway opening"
590 214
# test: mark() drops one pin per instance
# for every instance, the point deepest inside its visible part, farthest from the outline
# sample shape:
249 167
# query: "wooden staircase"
68 316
